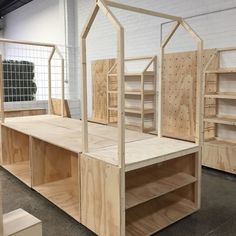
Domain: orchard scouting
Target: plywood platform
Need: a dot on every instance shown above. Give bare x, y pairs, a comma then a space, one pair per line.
66, 133
146, 152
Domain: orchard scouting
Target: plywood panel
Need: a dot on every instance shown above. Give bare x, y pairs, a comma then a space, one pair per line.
179, 109
50, 163
1, 219
56, 107
100, 69
24, 112
100, 201
15, 146
220, 155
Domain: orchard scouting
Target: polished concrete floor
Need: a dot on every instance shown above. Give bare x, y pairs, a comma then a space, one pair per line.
217, 216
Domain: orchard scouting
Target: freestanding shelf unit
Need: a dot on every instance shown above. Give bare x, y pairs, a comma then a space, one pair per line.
128, 183
218, 153
134, 183
139, 87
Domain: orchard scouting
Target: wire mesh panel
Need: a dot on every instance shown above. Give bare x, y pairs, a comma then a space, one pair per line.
26, 75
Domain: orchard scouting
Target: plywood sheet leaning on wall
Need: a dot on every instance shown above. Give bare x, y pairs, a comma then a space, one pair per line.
99, 69
180, 74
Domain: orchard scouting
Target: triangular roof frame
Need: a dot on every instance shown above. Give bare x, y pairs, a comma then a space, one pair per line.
104, 5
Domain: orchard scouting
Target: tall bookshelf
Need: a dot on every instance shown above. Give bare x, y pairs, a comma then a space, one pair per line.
140, 96
218, 152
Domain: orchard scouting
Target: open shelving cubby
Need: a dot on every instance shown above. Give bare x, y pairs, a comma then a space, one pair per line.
16, 154
55, 175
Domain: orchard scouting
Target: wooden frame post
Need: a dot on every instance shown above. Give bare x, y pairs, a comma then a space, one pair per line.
62, 81
161, 64
50, 80
2, 91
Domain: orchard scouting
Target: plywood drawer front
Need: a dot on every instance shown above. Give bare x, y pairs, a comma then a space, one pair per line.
220, 156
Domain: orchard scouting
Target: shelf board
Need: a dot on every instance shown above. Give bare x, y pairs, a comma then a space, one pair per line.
21, 170
220, 141
222, 71
134, 73
152, 216
134, 110
135, 92
221, 95
225, 120
147, 186
64, 194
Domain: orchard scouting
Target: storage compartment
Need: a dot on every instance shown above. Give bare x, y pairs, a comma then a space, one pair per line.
220, 154
15, 154
156, 214
55, 176
159, 195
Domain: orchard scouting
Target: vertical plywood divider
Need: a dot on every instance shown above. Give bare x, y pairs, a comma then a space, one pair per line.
100, 68
100, 196
49, 163
15, 146
1, 218
179, 93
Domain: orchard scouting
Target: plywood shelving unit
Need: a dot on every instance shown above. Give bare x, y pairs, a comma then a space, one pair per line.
88, 169
167, 181
218, 153
144, 92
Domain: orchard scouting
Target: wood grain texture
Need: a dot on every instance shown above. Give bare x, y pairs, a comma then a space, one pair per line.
56, 107
100, 69
15, 146
21, 170
179, 93
100, 202
157, 180
154, 215
50, 163
24, 112
1, 218
220, 154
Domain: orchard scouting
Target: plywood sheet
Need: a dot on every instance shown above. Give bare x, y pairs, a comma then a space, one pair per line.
219, 155
56, 107
100, 196
179, 104
100, 68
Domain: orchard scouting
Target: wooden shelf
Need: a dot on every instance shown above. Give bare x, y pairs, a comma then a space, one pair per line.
21, 170
221, 95
134, 74
220, 141
135, 92
225, 120
144, 187
64, 194
152, 216
133, 110
222, 71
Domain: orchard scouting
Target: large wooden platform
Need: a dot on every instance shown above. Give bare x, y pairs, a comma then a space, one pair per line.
45, 152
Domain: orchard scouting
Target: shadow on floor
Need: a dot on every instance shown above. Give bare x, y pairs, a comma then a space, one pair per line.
217, 216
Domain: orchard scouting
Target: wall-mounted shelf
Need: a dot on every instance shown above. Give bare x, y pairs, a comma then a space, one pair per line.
225, 120
221, 71
221, 95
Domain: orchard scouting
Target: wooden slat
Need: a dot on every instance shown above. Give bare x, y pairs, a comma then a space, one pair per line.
222, 71
222, 95
226, 120
158, 182
157, 214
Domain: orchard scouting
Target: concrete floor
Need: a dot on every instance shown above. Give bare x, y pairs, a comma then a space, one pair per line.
217, 216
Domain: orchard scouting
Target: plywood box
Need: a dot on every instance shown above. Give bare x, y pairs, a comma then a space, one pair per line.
21, 223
